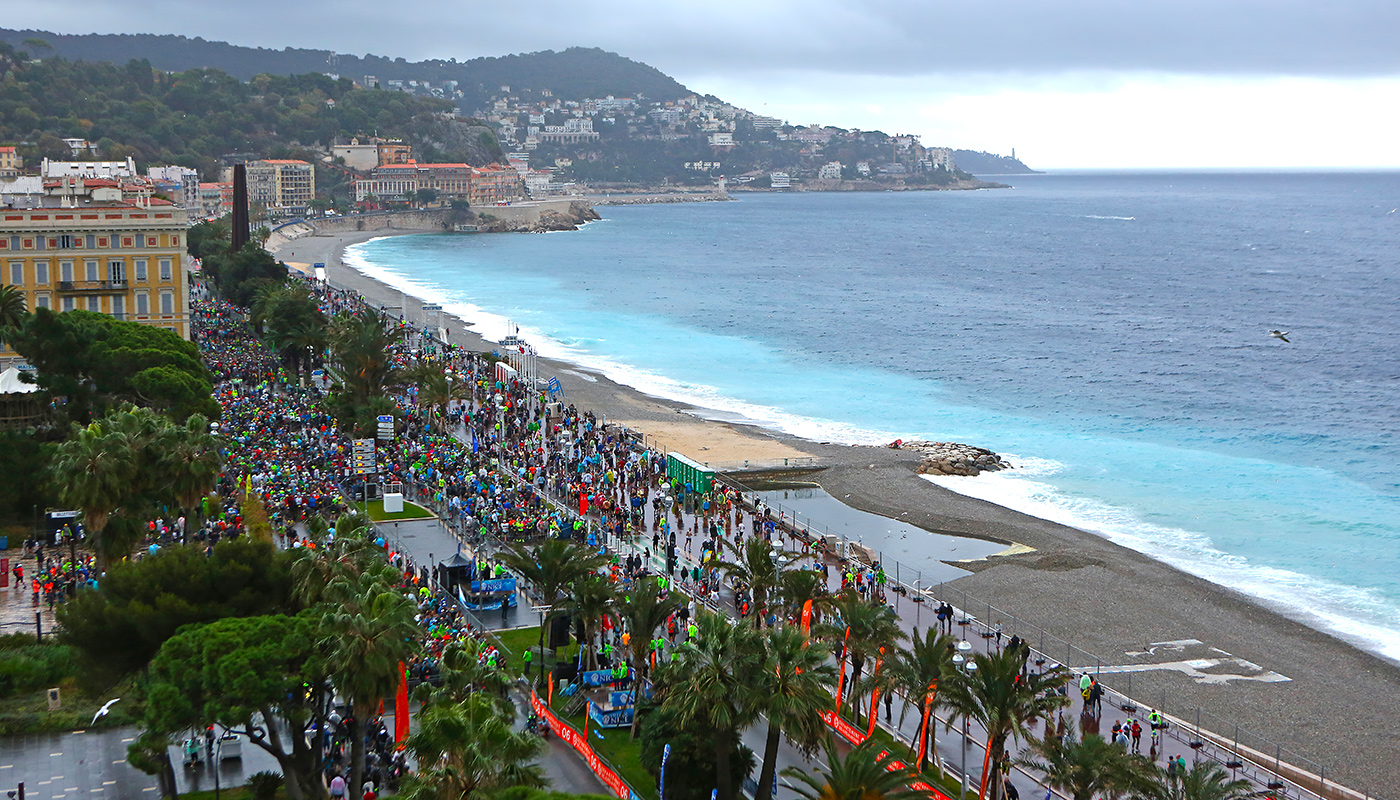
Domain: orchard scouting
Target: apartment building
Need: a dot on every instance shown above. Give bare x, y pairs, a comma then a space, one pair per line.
283, 186
79, 245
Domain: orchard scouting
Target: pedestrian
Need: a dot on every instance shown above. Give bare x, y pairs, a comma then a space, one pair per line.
1137, 736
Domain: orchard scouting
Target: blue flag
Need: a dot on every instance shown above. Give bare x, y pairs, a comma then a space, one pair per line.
475, 444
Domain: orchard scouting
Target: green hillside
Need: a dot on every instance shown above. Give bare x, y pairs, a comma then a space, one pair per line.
192, 118
572, 74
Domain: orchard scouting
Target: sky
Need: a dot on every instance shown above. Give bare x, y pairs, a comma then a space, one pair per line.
1089, 84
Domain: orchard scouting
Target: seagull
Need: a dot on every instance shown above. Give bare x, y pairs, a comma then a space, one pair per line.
1280, 335
102, 712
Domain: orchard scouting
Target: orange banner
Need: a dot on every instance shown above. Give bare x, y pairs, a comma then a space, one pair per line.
571, 737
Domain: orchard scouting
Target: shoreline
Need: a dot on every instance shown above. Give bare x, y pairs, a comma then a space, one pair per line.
1077, 585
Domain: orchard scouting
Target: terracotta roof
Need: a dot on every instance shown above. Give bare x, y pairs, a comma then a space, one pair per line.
284, 161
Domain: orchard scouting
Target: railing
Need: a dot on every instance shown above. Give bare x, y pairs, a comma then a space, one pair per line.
92, 286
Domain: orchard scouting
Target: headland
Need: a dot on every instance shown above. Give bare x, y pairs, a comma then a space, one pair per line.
1287, 686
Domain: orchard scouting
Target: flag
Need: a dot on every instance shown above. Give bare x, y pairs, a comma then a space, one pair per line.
551, 688
401, 707
582, 503
841, 682
807, 617
475, 444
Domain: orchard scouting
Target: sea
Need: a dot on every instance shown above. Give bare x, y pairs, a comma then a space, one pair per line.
1109, 333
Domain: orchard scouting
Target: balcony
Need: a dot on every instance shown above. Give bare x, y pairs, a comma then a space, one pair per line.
90, 287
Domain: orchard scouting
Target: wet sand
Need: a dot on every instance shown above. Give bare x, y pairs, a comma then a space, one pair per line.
1104, 598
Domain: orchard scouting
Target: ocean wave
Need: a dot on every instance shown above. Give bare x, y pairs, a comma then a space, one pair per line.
1108, 216
1361, 616
708, 399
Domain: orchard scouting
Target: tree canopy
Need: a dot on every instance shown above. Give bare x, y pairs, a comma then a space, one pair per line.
94, 362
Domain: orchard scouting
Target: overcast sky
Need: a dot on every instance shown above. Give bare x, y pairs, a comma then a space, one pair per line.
1074, 83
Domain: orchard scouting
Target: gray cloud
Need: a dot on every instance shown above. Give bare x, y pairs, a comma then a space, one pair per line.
870, 37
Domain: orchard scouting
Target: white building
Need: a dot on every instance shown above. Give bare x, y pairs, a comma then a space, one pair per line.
780, 180
830, 171
180, 184
721, 140
88, 169
356, 155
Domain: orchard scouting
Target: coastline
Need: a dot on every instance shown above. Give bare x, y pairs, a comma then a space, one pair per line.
1077, 585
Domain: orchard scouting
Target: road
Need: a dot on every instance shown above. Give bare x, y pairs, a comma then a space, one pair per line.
78, 764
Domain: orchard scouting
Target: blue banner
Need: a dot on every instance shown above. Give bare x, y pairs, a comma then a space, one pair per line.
599, 677
494, 585
616, 718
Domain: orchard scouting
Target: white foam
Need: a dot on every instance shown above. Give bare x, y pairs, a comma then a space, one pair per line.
1108, 216
1361, 616
494, 327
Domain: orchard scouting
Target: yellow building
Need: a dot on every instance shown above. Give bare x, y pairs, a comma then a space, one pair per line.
79, 245
10, 162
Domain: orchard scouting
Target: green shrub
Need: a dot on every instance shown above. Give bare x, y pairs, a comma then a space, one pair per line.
265, 784
34, 667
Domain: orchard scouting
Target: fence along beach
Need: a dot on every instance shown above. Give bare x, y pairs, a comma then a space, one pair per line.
1077, 586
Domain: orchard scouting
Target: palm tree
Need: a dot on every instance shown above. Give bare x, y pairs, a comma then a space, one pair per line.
1205, 781
756, 569
93, 471
591, 599
552, 567
344, 560
191, 458
916, 672
465, 671
866, 773
369, 631
468, 750
361, 344
1004, 701
644, 609
796, 587
437, 390
867, 629
12, 307
797, 684
716, 682
1092, 768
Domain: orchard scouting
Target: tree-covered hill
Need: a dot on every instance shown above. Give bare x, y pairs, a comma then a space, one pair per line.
573, 74
980, 163
192, 118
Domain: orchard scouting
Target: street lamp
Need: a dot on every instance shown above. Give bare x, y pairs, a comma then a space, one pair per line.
966, 667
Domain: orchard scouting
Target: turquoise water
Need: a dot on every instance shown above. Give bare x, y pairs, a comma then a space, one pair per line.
1108, 332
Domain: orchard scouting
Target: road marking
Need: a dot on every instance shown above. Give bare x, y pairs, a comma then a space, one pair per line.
108, 783
149, 789
119, 761
51, 755
6, 766
129, 739
45, 783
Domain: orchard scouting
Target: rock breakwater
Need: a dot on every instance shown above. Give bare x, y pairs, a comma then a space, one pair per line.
952, 458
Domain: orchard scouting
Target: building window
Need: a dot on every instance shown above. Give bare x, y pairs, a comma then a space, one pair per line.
94, 303
166, 273
65, 242
141, 270
143, 304
16, 273
41, 273
67, 304
167, 303
90, 270
65, 270
91, 242
116, 271
119, 306
42, 301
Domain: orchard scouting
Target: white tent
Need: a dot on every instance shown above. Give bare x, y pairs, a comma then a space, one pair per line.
11, 384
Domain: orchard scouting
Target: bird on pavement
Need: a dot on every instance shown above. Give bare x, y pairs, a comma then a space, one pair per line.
102, 712
1280, 335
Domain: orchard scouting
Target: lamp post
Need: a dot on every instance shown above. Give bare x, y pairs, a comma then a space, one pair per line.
966, 667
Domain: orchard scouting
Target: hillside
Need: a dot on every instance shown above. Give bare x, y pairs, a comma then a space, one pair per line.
573, 74
980, 163
192, 118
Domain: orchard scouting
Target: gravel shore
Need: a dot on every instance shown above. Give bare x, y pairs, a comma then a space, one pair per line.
1103, 598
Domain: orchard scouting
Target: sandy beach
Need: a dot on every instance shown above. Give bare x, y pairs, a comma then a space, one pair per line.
1290, 686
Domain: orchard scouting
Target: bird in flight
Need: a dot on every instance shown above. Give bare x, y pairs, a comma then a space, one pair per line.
102, 712
1280, 335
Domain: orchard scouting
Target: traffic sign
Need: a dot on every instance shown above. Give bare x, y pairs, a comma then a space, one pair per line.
363, 457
